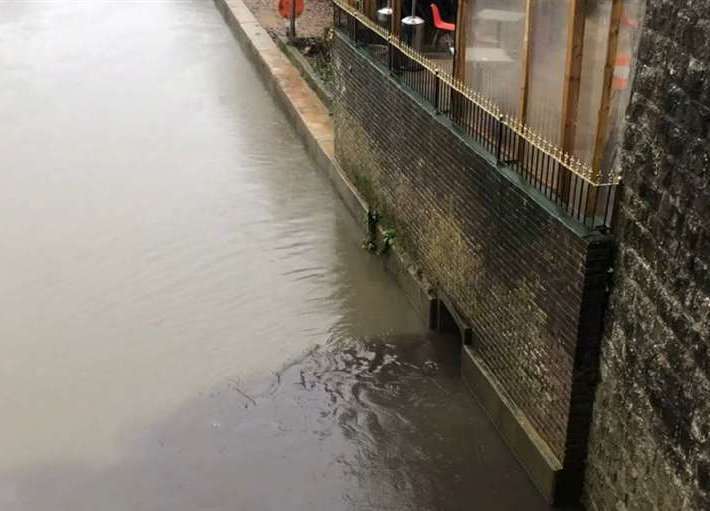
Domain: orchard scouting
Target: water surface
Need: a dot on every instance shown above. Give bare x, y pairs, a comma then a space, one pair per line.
187, 320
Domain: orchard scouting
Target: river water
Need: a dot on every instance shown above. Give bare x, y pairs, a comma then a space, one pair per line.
187, 320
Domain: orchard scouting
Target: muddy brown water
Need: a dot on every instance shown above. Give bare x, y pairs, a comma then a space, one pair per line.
187, 320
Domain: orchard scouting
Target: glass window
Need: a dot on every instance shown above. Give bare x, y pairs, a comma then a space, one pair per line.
495, 34
548, 56
620, 88
596, 34
495, 30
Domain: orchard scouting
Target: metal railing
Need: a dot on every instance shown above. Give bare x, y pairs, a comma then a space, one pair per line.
585, 195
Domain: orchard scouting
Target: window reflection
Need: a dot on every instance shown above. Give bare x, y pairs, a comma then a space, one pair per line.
494, 51
495, 34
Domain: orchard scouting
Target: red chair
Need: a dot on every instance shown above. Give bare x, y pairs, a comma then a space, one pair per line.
441, 26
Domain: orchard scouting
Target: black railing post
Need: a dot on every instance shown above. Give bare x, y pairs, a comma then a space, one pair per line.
613, 216
499, 141
437, 91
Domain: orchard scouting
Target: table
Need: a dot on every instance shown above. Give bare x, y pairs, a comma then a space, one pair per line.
486, 54
500, 16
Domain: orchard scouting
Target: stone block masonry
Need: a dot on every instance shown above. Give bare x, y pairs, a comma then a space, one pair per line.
650, 443
531, 283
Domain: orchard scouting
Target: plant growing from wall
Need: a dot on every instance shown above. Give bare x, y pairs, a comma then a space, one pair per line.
388, 237
370, 243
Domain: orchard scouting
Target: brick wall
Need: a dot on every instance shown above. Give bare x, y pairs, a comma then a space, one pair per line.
532, 284
650, 445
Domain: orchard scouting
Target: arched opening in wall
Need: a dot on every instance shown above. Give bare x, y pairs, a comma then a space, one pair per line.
445, 339
445, 323
453, 331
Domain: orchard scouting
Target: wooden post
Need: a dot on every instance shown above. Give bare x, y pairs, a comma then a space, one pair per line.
525, 72
396, 17
573, 73
570, 95
459, 70
617, 9
292, 23
526, 54
371, 9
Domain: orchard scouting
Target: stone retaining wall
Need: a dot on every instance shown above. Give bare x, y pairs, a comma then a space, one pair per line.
650, 446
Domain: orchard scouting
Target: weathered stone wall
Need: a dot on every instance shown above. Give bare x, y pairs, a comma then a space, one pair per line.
532, 284
650, 444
